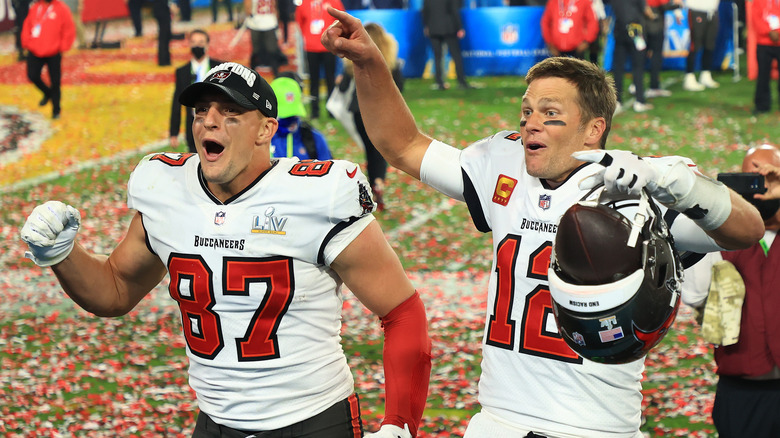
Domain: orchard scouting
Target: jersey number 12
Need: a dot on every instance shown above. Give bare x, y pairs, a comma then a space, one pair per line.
535, 338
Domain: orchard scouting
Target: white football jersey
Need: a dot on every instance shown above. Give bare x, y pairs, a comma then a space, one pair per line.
530, 377
261, 309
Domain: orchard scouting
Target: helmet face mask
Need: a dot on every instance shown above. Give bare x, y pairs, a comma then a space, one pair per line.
614, 313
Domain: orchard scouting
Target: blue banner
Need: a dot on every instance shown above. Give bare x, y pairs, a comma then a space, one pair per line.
502, 40
207, 3
498, 41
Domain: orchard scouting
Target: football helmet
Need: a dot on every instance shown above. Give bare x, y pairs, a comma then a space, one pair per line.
614, 277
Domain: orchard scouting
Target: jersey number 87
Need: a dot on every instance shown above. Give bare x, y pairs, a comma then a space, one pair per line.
192, 287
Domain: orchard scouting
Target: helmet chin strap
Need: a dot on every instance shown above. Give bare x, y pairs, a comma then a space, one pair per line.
639, 219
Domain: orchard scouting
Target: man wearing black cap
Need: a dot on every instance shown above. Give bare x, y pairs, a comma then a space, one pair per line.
257, 250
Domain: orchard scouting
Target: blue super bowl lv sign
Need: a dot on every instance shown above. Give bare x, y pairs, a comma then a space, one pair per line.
502, 40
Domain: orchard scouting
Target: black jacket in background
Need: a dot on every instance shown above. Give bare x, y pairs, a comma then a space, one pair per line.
627, 12
441, 17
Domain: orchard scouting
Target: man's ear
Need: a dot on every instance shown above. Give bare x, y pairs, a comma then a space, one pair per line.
267, 130
594, 131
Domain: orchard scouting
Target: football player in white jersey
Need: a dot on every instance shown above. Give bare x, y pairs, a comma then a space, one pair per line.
517, 185
257, 250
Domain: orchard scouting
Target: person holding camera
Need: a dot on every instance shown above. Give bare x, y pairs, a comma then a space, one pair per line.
747, 398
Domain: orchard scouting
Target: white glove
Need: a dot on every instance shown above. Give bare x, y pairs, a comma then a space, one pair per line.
669, 180
624, 172
50, 232
390, 431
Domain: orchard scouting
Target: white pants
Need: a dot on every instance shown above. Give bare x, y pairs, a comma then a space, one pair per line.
485, 425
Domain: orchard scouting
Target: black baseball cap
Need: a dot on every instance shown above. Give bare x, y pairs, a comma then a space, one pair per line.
242, 84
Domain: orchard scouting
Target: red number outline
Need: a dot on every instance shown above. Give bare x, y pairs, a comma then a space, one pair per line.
311, 168
501, 327
534, 338
260, 341
173, 162
196, 307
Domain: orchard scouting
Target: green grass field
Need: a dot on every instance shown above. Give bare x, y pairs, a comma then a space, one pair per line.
67, 373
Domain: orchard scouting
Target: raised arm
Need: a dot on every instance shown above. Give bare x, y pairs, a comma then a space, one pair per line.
387, 118
372, 271
103, 285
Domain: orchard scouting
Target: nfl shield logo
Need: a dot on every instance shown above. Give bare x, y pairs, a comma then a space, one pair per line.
219, 218
578, 338
510, 33
544, 202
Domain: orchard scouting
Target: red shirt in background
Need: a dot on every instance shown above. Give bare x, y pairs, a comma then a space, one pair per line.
48, 29
313, 18
567, 23
763, 21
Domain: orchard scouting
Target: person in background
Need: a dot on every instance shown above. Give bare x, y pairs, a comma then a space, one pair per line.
295, 136
193, 71
630, 43
517, 185
312, 18
569, 27
258, 250
134, 8
376, 165
442, 25
161, 11
656, 35
703, 23
263, 22
47, 33
596, 47
21, 8
185, 10
286, 16
766, 24
747, 399
228, 8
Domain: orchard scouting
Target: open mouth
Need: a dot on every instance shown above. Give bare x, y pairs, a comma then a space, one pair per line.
534, 146
212, 148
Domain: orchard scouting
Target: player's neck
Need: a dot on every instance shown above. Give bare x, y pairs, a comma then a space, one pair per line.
244, 180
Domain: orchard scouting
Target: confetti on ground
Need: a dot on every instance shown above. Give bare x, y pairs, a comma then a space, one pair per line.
66, 373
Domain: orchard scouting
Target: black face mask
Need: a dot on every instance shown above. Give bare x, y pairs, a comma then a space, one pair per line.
198, 51
767, 208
